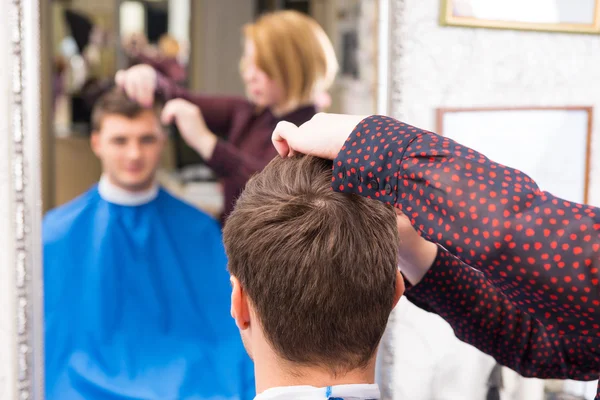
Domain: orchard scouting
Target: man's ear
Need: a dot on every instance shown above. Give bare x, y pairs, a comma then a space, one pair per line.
95, 142
240, 309
399, 287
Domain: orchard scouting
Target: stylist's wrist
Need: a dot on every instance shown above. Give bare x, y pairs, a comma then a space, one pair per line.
205, 144
415, 253
417, 259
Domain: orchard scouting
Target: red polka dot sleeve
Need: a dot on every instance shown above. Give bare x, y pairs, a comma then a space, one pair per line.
542, 252
484, 317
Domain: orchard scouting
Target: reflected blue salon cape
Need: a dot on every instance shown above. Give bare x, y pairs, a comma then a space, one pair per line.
137, 304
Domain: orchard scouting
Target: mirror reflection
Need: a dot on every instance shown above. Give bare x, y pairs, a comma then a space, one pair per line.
162, 111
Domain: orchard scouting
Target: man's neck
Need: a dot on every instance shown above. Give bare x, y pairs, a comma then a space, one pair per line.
271, 372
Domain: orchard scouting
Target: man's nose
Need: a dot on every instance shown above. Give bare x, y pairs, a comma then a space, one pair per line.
134, 150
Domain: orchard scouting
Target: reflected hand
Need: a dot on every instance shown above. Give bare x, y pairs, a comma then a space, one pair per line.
192, 127
139, 82
323, 136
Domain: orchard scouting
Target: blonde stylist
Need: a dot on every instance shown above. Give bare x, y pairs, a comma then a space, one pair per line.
287, 65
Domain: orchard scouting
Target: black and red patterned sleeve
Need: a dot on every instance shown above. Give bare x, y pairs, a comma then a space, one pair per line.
541, 251
483, 316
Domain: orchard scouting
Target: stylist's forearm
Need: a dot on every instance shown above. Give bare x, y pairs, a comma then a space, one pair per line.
205, 144
415, 263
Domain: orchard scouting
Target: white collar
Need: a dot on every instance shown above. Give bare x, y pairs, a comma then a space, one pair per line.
346, 392
114, 194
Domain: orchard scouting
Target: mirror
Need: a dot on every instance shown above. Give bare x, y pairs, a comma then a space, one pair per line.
68, 59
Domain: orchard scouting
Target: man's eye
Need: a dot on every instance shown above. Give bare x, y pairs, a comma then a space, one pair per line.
149, 140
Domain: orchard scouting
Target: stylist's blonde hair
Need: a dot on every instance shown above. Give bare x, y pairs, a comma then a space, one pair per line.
294, 51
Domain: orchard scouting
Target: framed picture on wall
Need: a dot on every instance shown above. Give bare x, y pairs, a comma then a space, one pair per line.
550, 144
582, 16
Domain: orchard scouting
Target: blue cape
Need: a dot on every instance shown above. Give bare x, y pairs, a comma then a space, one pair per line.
137, 304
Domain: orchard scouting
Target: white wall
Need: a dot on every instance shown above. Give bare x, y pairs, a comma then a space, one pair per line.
439, 66
476, 67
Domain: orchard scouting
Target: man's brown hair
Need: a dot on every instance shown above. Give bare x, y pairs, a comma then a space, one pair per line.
318, 266
116, 102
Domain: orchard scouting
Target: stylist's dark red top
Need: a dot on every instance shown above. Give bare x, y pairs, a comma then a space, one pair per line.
533, 298
244, 145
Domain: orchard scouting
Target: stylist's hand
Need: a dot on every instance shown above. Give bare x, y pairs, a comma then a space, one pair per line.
323, 136
190, 122
415, 253
139, 82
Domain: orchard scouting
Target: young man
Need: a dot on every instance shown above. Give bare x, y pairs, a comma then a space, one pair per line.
301, 257
535, 257
315, 277
136, 286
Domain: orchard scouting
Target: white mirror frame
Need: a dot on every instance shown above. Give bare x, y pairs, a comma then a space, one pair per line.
388, 99
21, 294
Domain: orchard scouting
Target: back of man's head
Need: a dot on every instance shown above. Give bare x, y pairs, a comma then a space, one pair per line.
319, 267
